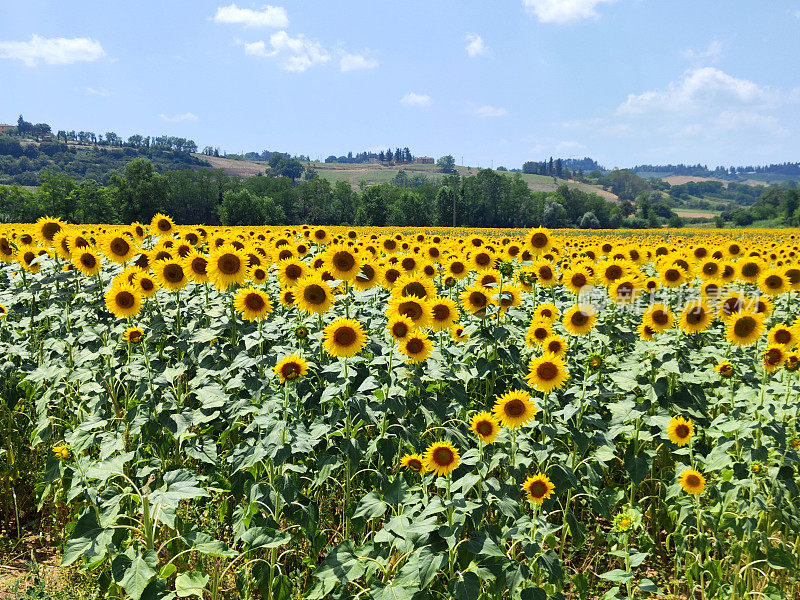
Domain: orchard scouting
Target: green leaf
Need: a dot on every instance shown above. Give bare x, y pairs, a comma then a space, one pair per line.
180, 484
636, 466
393, 591
88, 540
617, 576
536, 593
429, 563
467, 586
646, 585
371, 506
481, 544
778, 558
134, 574
264, 537
191, 583
341, 565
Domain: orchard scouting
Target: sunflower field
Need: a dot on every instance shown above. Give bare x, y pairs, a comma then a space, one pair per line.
330, 412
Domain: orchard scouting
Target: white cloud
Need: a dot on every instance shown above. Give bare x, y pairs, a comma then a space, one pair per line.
414, 99
269, 16
710, 55
698, 89
567, 148
356, 62
489, 112
52, 51
563, 11
187, 116
98, 92
475, 45
294, 54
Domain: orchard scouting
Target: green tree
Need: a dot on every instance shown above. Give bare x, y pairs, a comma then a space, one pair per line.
242, 207
374, 205
446, 164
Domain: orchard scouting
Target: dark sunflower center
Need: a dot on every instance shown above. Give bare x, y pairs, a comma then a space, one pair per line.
483, 259
164, 225
774, 356
367, 274
119, 246
484, 428
625, 290
293, 271
579, 280
392, 275
692, 480
672, 275
750, 270
614, 272
744, 327
514, 408
49, 230
457, 268
415, 346
88, 260
783, 336
415, 464
579, 318
199, 265
660, 317
415, 288
443, 457
547, 371
400, 329
477, 299
125, 299
539, 240
290, 370
288, 297
344, 336
682, 430
135, 336
229, 264
545, 273
441, 312
773, 282
314, 294
537, 489
254, 302
732, 305
411, 309
146, 284
695, 315
344, 261
173, 273
408, 263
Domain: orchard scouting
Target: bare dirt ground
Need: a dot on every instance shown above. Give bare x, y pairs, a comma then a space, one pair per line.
691, 214
22, 565
680, 179
240, 168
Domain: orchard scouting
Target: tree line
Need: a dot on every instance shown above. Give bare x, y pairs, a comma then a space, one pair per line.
193, 196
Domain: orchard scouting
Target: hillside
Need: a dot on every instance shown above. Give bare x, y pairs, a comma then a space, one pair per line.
372, 173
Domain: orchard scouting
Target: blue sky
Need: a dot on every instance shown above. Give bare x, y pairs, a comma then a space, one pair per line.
623, 81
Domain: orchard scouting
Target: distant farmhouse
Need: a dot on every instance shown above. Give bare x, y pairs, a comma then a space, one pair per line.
7, 128
424, 160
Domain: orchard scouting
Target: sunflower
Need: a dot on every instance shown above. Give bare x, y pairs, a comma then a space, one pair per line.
475, 299
623, 290
577, 280
547, 311
672, 276
538, 241
555, 344
695, 317
750, 270
133, 335
344, 338
413, 462
48, 227
538, 488
544, 273
441, 458
510, 295
783, 335
680, 430
195, 266
369, 276
580, 320
514, 409
692, 482
227, 266
773, 357
161, 224
410, 284
658, 317
87, 262
123, 300
732, 303
257, 275
117, 248
444, 313
646, 332
313, 295
3, 311
290, 367
254, 304
400, 327
538, 332
485, 426
144, 283
547, 373
457, 268
416, 346
743, 329
724, 368
773, 282
343, 264
458, 334
170, 274
791, 364
416, 309
595, 362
